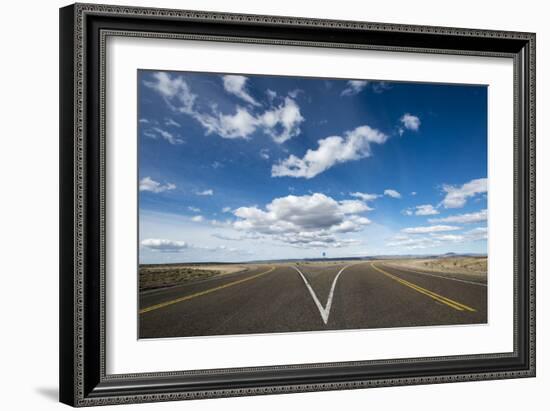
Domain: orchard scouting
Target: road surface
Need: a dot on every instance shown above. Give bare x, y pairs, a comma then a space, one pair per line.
311, 297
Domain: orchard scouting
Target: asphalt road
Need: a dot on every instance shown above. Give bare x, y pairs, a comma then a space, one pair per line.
309, 297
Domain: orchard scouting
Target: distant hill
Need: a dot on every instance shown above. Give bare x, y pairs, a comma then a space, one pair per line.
361, 258
376, 257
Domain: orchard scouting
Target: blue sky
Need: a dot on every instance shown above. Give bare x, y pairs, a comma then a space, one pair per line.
246, 167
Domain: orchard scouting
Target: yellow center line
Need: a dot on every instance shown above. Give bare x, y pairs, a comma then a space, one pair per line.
200, 293
447, 301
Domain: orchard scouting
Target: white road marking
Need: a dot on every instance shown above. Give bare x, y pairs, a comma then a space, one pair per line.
324, 311
437, 276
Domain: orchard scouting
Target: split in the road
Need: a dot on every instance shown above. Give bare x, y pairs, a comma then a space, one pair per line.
324, 311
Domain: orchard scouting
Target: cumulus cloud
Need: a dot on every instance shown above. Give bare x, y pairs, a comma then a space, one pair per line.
354, 87
280, 122
264, 153
392, 193
197, 219
208, 192
163, 245
148, 184
236, 85
409, 122
365, 196
309, 220
429, 229
462, 218
355, 145
456, 196
426, 209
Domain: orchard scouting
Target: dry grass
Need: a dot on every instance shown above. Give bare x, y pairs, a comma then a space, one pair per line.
168, 275
472, 267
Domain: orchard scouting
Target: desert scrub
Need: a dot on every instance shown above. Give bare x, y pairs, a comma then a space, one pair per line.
151, 277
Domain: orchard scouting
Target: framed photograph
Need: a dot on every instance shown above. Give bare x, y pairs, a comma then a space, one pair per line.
259, 205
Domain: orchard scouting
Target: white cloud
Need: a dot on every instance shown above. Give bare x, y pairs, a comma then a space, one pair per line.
171, 246
426, 209
421, 242
171, 122
279, 122
271, 95
429, 229
148, 184
309, 220
241, 124
410, 122
462, 218
165, 246
264, 153
456, 197
436, 238
282, 122
295, 93
170, 137
392, 193
353, 206
226, 209
208, 192
236, 85
412, 242
354, 87
456, 238
365, 196
355, 145
176, 88
194, 209
143, 121
197, 218
413, 193
380, 86
476, 234
407, 211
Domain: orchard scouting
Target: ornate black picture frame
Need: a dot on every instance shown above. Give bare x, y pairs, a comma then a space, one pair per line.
83, 32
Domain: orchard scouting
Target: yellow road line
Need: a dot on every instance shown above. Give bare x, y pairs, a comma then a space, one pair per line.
447, 301
429, 274
200, 293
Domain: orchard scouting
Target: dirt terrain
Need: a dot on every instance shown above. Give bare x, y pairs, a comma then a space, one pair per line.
168, 275
474, 268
